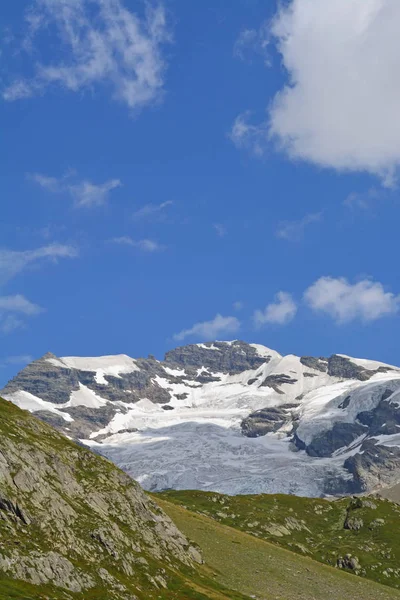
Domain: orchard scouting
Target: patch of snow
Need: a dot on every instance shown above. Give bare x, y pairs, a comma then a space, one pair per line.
175, 372
109, 365
212, 347
265, 352
85, 397
32, 403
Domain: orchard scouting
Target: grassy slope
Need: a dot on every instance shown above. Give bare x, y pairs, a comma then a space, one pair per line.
313, 527
264, 571
184, 583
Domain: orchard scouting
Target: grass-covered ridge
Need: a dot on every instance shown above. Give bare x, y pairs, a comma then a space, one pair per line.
359, 535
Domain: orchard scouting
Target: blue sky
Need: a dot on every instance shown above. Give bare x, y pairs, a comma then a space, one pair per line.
194, 170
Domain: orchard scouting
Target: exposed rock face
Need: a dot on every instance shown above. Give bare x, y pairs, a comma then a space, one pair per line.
219, 357
343, 367
71, 519
266, 420
183, 422
340, 436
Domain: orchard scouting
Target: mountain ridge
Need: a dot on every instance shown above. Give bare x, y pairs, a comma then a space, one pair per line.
231, 417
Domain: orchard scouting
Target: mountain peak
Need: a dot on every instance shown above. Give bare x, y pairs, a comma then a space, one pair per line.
213, 412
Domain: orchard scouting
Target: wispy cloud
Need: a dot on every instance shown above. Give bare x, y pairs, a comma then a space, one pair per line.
252, 42
340, 109
238, 305
12, 308
210, 330
152, 211
293, 231
246, 135
364, 200
12, 262
18, 360
145, 245
51, 184
280, 312
23, 359
103, 43
220, 229
85, 194
365, 300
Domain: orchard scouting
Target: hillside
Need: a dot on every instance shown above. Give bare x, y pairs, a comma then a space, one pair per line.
358, 535
72, 526
229, 417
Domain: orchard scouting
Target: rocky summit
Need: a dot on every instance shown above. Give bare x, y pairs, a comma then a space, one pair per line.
229, 417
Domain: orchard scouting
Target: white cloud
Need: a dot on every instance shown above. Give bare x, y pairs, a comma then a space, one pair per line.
18, 304
247, 136
52, 184
144, 245
11, 309
365, 300
238, 305
85, 194
220, 229
10, 323
101, 42
339, 108
363, 200
23, 359
280, 312
151, 210
293, 231
210, 330
13, 262
253, 41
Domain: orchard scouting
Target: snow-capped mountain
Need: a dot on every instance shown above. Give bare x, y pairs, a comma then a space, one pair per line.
227, 416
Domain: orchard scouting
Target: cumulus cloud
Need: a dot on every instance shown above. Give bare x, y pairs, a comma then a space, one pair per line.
210, 330
339, 108
293, 231
145, 245
12, 308
85, 194
280, 312
364, 300
101, 42
12, 262
151, 211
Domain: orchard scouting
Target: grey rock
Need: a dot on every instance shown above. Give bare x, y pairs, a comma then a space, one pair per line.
62, 506
265, 421
222, 357
319, 364
275, 381
344, 368
340, 436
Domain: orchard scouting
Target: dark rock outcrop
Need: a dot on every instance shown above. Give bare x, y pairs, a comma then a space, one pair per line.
219, 357
266, 420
